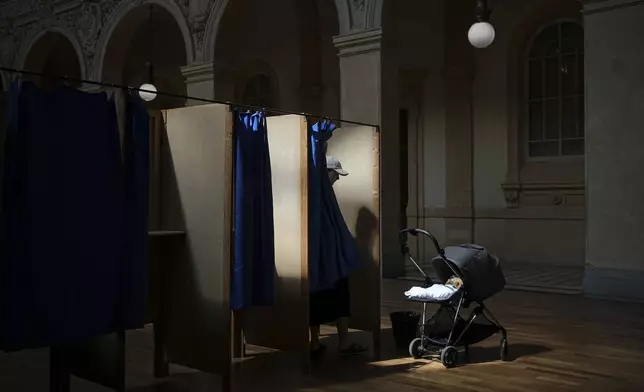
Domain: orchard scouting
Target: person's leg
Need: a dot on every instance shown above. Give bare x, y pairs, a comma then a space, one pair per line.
342, 325
345, 345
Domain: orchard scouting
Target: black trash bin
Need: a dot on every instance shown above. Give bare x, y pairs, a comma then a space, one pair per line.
405, 327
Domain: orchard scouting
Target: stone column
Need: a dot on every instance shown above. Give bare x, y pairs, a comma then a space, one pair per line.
614, 61
412, 89
369, 84
459, 226
458, 77
200, 82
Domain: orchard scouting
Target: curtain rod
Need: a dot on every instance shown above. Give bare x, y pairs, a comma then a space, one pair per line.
131, 88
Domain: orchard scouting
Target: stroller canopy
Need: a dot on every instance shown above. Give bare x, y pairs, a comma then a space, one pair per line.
480, 270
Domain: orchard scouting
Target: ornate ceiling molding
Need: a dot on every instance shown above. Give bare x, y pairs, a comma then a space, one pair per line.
118, 9
353, 16
215, 14
24, 20
88, 21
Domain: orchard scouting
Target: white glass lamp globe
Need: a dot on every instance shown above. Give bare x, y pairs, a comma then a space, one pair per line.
145, 95
481, 35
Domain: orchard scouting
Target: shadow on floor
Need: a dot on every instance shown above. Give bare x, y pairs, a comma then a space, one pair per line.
279, 371
515, 351
487, 351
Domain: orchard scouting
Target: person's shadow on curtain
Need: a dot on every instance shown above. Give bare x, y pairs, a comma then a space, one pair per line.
365, 291
366, 232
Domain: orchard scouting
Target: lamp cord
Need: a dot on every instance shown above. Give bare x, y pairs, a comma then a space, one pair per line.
148, 64
482, 11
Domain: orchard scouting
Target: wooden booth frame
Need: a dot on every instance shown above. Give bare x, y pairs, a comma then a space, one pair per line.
191, 249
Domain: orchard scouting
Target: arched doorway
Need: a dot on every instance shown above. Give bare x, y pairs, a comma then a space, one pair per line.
259, 90
53, 54
147, 43
282, 51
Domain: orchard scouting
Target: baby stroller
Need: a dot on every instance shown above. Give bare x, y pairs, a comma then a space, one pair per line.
447, 329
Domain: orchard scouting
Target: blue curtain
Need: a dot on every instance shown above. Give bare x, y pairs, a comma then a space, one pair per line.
253, 275
136, 158
333, 253
68, 243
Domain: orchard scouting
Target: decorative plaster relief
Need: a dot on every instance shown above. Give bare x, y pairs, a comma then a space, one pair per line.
7, 44
358, 15
24, 19
198, 29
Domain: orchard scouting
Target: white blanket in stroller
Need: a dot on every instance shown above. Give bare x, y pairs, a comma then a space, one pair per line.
437, 292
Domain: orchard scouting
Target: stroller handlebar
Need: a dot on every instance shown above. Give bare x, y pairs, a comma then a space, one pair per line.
402, 237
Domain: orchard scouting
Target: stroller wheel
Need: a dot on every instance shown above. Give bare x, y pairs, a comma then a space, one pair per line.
504, 349
416, 349
448, 356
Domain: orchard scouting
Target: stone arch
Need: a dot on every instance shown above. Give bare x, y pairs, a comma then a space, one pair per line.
55, 52
125, 9
148, 31
353, 15
212, 28
295, 37
251, 69
374, 20
344, 15
62, 36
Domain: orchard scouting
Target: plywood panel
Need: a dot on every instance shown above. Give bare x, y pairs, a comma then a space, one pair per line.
284, 326
100, 360
198, 165
357, 148
162, 249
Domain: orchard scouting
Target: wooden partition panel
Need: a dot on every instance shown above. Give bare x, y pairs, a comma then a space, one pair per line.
197, 196
284, 326
357, 148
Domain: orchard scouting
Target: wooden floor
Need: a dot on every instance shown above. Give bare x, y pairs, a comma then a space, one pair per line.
557, 343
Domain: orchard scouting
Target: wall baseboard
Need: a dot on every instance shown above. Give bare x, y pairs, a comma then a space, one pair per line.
612, 284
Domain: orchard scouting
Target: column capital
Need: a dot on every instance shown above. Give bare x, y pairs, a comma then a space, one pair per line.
358, 43
199, 72
597, 6
200, 81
